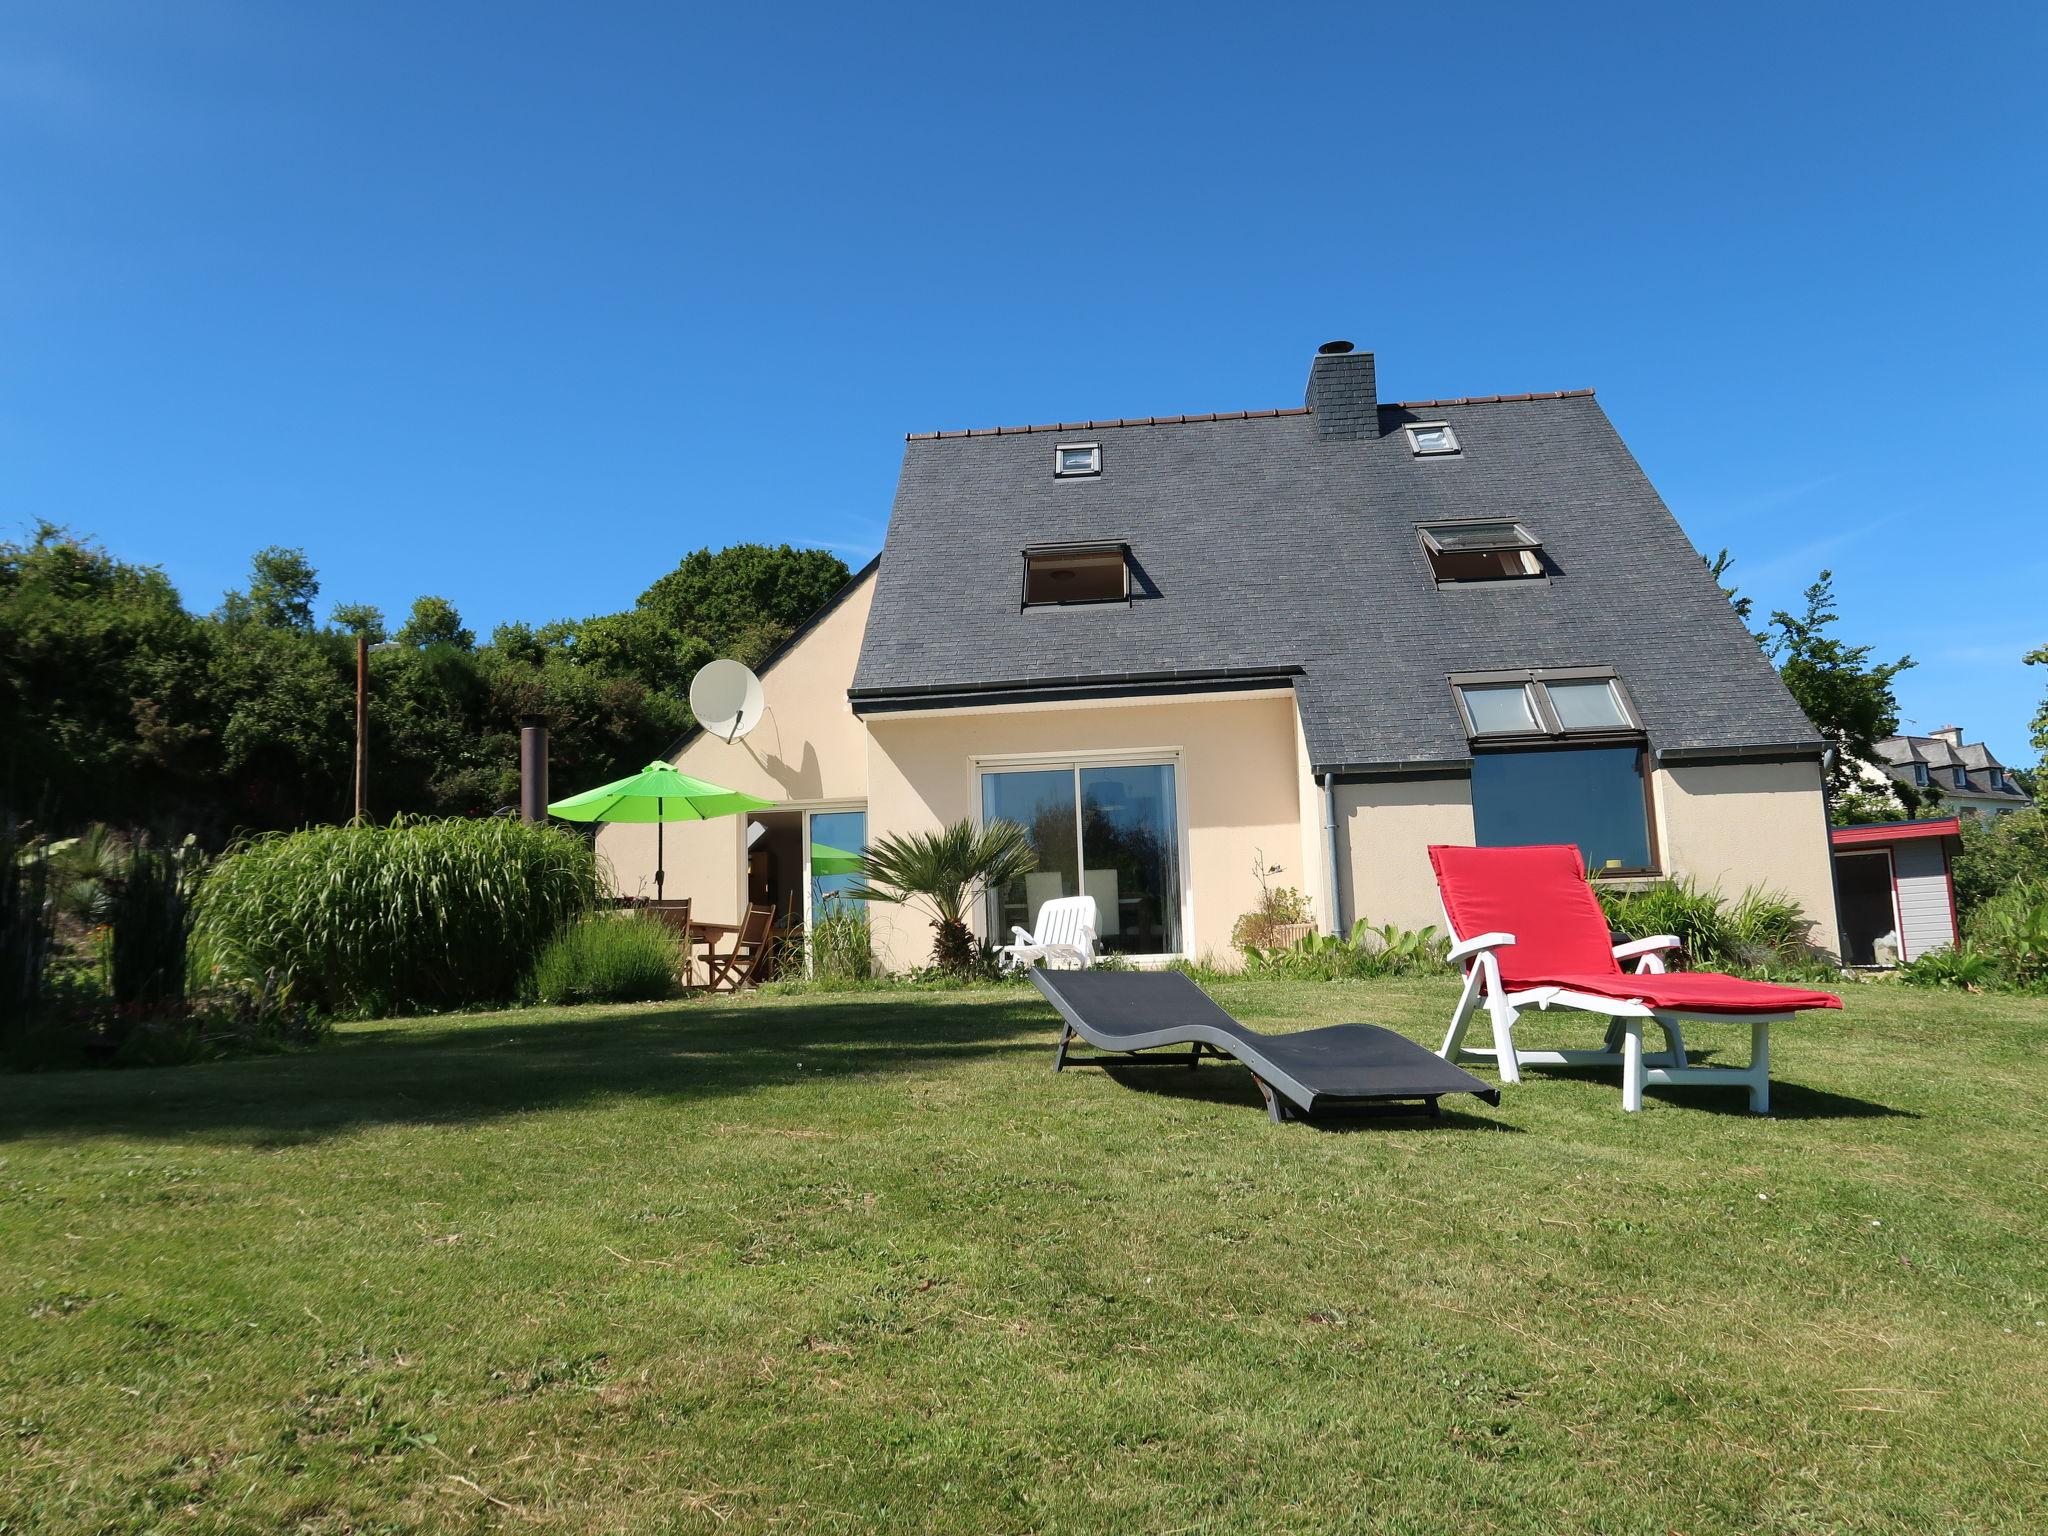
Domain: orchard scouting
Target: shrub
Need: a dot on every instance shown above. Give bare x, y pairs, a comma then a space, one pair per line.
1999, 853
151, 917
605, 957
420, 914
1761, 931
2011, 930
1367, 951
1964, 968
1278, 907
24, 928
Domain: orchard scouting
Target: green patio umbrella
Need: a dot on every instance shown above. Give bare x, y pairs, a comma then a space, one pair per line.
659, 794
827, 860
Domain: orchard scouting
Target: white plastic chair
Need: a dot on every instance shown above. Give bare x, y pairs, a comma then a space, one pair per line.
1065, 934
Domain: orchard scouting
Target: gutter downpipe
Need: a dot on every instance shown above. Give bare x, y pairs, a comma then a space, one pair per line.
1336, 902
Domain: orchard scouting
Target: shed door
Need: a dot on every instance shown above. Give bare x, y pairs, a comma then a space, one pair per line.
1864, 884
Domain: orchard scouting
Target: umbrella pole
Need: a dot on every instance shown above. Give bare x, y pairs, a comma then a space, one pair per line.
657, 848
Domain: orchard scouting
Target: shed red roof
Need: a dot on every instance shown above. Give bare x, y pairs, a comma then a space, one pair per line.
1896, 831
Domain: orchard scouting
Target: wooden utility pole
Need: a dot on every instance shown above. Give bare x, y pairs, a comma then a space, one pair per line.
362, 727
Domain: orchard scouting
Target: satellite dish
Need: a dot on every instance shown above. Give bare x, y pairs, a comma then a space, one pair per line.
727, 699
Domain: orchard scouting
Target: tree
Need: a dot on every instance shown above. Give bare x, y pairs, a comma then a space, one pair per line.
946, 872
103, 708
1718, 568
2039, 772
282, 586
434, 621
365, 619
1847, 697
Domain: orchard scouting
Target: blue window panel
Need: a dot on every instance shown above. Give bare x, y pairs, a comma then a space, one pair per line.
1591, 797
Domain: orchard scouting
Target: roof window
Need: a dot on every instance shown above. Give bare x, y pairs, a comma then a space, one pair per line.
1431, 438
1961, 777
1497, 551
1919, 775
1575, 702
1072, 461
1061, 574
1997, 778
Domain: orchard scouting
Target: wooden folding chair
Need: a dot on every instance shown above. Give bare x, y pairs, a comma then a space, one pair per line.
741, 966
676, 916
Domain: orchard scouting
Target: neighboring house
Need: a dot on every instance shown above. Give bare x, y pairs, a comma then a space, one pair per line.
1896, 895
1325, 637
1972, 782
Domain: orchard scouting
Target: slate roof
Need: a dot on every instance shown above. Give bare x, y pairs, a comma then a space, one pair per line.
1940, 755
1261, 547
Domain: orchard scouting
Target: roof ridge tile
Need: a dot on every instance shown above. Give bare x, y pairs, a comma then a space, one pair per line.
1107, 424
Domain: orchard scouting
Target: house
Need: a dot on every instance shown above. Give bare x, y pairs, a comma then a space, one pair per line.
1897, 897
1322, 637
1971, 780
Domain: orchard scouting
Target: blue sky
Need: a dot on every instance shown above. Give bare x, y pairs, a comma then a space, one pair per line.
516, 303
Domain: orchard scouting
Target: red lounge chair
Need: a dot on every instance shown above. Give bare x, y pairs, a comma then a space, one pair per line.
1530, 932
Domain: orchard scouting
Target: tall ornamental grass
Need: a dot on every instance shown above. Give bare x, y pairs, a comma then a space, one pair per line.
418, 915
608, 957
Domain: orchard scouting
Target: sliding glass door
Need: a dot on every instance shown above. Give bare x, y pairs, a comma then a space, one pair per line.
1109, 830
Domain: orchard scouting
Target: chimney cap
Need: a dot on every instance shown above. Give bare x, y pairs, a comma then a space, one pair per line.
1333, 348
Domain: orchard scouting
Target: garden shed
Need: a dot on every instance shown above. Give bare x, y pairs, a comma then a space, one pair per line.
1897, 897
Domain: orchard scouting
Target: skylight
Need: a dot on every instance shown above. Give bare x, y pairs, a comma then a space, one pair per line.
1544, 703
1076, 573
1428, 438
1497, 551
1073, 460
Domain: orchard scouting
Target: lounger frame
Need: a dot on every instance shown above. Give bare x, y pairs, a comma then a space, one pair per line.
1623, 1046
1287, 1096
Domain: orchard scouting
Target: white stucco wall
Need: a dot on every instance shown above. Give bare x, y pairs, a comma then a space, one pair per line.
809, 750
1733, 825
1238, 787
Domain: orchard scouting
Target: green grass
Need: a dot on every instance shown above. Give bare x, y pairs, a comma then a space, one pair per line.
863, 1263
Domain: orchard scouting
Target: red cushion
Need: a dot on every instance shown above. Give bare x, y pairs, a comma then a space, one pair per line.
1707, 991
1540, 895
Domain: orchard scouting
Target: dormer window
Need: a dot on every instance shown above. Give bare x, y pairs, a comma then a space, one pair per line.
1061, 574
1997, 778
1961, 776
1430, 438
1919, 775
1073, 461
1461, 552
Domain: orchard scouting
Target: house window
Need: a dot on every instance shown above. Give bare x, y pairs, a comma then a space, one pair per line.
1594, 798
1961, 777
1494, 551
1072, 460
1997, 778
1428, 438
1558, 757
1552, 702
1076, 573
1107, 830
1919, 775
832, 858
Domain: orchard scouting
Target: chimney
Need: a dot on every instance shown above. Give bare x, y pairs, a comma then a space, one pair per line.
533, 768
1341, 393
1952, 734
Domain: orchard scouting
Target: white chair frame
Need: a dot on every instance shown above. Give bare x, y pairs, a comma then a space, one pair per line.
1066, 934
1624, 1043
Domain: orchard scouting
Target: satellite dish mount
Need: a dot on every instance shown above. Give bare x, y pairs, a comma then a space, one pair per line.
727, 699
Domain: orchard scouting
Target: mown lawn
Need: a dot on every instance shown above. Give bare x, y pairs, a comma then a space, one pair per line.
865, 1264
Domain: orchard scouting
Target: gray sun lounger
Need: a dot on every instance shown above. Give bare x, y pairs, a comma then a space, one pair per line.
1301, 1074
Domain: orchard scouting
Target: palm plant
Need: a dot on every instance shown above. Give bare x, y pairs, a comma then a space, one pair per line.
945, 872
